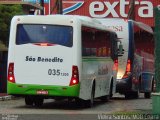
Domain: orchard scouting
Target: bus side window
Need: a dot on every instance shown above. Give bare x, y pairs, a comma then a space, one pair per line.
103, 44
88, 42
85, 44
98, 43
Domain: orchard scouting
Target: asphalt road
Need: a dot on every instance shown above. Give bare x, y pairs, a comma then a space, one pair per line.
63, 110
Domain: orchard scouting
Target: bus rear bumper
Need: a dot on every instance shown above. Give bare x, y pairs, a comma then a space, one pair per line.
45, 90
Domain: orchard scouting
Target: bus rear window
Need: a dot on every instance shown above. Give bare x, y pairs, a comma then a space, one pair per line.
53, 34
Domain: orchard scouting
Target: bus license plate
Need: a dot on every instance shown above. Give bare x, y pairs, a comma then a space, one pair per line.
42, 92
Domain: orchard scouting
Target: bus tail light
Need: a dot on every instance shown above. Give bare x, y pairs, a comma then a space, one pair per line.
115, 66
128, 69
44, 44
75, 76
11, 77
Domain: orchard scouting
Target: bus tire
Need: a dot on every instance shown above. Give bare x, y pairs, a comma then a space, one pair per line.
111, 90
79, 103
136, 94
147, 95
107, 97
29, 100
38, 102
127, 96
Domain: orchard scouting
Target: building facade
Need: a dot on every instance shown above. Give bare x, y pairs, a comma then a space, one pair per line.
109, 9
103, 8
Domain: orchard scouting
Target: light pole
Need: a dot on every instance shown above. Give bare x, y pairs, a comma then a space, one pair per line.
58, 7
157, 48
156, 95
42, 4
131, 12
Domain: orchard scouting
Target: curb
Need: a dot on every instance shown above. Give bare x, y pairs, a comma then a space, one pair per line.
3, 98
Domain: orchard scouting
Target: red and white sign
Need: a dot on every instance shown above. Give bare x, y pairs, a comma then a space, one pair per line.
110, 8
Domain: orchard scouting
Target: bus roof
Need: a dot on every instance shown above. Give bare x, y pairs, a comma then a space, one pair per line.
85, 20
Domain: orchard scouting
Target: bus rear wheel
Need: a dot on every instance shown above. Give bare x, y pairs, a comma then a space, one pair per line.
147, 95
107, 97
136, 95
38, 102
132, 95
29, 100
127, 96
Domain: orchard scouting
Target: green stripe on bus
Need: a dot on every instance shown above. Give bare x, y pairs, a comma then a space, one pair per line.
28, 89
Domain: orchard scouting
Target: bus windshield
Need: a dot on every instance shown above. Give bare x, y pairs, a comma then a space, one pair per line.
42, 33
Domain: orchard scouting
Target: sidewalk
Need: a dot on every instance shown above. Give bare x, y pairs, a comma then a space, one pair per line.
5, 96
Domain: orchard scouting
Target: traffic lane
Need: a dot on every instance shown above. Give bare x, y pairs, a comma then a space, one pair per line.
117, 104
140, 105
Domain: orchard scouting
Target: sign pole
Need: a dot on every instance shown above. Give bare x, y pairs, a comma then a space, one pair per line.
156, 95
42, 4
59, 7
131, 12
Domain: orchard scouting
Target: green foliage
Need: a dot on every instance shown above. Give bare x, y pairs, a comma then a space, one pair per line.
6, 14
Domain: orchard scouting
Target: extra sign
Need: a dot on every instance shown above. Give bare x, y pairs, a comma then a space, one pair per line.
111, 9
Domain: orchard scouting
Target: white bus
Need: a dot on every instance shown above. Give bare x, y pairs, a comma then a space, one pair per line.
61, 56
136, 66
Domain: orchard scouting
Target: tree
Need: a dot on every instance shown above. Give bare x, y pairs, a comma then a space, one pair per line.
6, 14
